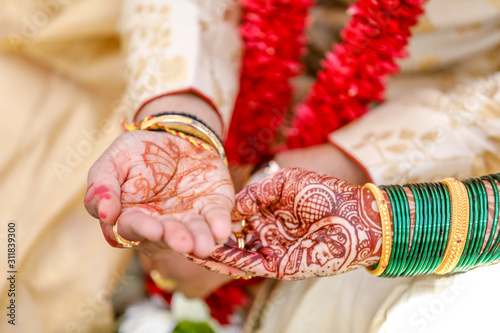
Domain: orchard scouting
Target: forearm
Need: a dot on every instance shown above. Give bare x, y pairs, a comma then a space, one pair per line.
325, 159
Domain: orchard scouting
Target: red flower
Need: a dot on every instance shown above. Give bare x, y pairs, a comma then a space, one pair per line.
224, 302
353, 75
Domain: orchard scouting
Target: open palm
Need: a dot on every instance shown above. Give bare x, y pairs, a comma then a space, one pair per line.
163, 190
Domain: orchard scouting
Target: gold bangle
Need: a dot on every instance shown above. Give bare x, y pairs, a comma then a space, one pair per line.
164, 284
188, 126
385, 220
459, 225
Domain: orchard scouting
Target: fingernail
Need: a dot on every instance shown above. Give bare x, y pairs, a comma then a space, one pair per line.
223, 241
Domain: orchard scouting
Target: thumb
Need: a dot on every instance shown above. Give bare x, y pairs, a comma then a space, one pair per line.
102, 199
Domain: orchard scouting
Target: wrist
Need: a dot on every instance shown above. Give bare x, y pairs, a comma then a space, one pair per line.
184, 126
188, 103
370, 212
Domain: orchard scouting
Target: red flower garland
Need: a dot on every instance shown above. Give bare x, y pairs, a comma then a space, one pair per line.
354, 73
273, 32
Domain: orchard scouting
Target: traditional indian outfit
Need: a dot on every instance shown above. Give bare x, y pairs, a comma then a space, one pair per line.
65, 92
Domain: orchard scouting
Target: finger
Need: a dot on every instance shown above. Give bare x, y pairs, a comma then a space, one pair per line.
217, 267
102, 199
107, 231
218, 218
176, 235
204, 242
135, 225
232, 261
244, 260
154, 250
253, 198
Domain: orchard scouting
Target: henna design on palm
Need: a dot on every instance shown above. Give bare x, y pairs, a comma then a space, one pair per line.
162, 176
170, 182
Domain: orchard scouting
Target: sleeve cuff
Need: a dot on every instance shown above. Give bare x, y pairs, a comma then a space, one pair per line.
413, 138
352, 158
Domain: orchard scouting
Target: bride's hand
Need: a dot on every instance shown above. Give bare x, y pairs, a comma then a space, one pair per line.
162, 191
301, 224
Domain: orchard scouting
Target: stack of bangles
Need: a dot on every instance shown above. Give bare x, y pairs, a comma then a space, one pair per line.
438, 228
185, 126
182, 125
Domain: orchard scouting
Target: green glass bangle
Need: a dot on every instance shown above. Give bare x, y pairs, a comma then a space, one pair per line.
405, 227
478, 226
413, 262
413, 235
444, 223
483, 221
436, 224
394, 265
444, 230
473, 227
487, 254
421, 256
427, 248
495, 250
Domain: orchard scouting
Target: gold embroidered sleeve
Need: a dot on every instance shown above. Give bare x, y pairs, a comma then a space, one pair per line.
173, 46
429, 135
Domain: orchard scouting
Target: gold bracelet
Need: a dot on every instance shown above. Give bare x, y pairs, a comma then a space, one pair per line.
188, 126
164, 284
385, 220
459, 225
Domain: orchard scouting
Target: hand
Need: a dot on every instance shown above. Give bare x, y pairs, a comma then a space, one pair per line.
163, 191
300, 225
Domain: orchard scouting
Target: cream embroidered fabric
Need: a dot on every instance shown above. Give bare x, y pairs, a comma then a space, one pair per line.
176, 45
448, 117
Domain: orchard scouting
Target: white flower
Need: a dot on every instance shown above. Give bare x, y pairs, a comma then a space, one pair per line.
149, 316
153, 315
190, 309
